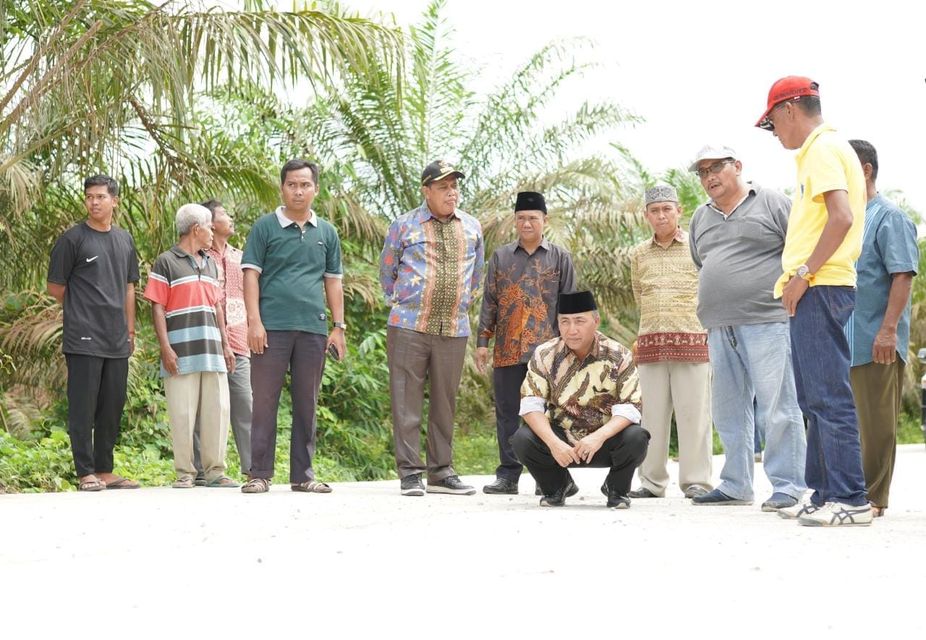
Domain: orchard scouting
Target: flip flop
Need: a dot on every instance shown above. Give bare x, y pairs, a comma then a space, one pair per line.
311, 486
122, 483
91, 485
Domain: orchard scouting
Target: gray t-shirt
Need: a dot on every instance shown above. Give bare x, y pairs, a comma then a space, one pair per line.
739, 259
95, 266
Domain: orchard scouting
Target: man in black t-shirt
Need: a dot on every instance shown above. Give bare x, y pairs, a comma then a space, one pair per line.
92, 274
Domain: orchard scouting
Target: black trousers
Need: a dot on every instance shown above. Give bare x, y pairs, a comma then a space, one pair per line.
96, 397
622, 454
507, 383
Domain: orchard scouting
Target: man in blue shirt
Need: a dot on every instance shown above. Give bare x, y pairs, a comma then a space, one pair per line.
879, 329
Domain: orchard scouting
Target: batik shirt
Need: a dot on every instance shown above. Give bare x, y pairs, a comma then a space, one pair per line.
231, 297
581, 396
430, 271
519, 302
665, 286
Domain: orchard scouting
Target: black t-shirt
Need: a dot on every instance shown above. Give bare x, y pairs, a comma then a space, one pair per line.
95, 266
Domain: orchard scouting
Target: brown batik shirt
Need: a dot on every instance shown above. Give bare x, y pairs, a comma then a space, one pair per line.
519, 304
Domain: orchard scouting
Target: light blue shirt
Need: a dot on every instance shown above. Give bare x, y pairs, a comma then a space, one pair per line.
888, 247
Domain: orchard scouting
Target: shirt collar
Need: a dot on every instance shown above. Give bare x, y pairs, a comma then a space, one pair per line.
821, 128
750, 191
180, 253
680, 236
424, 213
285, 222
517, 245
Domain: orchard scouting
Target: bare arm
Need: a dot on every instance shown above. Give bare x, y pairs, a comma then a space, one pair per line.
838, 222
257, 335
56, 291
227, 353
334, 295
130, 314
884, 349
168, 355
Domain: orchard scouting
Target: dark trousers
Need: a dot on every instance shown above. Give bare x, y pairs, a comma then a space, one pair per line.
507, 382
96, 397
303, 354
622, 454
821, 361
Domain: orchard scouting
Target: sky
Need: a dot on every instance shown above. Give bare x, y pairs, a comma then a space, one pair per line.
699, 72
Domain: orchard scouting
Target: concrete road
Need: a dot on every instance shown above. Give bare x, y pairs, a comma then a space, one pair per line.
366, 562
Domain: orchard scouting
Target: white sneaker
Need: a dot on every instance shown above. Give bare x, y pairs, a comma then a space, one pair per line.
834, 514
804, 507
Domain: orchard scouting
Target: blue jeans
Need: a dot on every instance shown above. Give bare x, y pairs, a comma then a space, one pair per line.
821, 372
752, 364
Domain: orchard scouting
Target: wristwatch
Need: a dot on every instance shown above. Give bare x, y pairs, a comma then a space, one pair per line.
339, 325
803, 272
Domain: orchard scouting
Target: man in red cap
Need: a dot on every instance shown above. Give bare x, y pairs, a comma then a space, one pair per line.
817, 289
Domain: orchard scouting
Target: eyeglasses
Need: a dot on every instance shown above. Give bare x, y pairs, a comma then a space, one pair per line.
715, 168
767, 123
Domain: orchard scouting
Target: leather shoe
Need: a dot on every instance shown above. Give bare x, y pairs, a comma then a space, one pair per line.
558, 499
642, 492
501, 485
717, 498
778, 501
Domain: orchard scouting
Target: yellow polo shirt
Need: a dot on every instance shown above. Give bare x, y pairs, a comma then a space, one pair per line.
825, 162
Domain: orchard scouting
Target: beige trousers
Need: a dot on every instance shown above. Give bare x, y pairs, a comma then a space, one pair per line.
685, 388
204, 393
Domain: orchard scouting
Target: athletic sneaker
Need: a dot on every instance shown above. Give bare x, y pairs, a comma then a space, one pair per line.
451, 484
802, 508
835, 514
411, 485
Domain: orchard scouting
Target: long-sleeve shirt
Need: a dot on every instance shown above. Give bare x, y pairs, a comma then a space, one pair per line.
581, 396
520, 297
430, 271
665, 286
231, 297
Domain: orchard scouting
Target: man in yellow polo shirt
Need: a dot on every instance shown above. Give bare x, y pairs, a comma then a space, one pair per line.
817, 288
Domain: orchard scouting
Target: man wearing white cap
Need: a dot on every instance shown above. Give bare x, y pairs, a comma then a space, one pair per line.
736, 241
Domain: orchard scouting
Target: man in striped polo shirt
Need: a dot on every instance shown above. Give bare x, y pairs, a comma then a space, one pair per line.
183, 288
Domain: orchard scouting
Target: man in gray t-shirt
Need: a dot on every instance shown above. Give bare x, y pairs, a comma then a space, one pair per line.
736, 240
92, 273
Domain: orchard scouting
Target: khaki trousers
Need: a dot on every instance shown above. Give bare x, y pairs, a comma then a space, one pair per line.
415, 358
206, 394
682, 387
877, 389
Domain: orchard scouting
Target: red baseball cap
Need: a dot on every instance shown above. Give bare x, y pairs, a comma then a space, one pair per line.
785, 89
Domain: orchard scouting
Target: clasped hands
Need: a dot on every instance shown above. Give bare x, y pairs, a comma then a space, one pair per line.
581, 453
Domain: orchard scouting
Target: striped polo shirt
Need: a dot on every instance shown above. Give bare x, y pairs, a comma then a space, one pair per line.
188, 289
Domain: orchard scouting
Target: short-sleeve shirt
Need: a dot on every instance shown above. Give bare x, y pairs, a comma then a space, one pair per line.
739, 259
520, 298
95, 267
293, 262
231, 297
188, 289
580, 396
665, 286
888, 247
825, 162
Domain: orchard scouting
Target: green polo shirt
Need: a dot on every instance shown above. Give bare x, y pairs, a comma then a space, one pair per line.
293, 263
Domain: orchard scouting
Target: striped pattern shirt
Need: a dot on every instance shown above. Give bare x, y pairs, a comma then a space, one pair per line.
430, 271
188, 289
665, 287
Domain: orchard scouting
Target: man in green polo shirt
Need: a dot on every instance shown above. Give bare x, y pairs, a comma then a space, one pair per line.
292, 268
